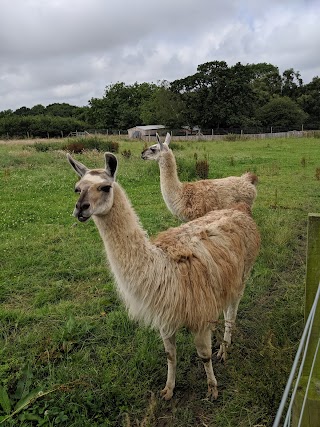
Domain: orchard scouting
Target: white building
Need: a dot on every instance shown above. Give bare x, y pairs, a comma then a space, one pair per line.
143, 131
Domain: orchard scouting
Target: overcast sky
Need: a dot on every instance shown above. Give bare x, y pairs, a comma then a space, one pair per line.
70, 50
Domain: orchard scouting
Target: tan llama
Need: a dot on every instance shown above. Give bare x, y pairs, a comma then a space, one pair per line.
190, 200
186, 277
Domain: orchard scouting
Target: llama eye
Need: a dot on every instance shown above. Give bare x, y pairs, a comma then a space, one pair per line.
105, 188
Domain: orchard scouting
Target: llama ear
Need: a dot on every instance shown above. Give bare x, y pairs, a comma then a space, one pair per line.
77, 166
111, 164
168, 138
159, 141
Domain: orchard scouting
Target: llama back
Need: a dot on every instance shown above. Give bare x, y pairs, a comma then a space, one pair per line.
213, 255
200, 197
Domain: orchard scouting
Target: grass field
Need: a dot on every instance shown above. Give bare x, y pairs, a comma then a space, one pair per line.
69, 355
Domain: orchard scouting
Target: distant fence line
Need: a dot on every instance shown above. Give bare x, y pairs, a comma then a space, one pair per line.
234, 137
214, 137
176, 135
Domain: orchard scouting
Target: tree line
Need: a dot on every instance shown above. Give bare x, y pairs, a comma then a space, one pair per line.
217, 96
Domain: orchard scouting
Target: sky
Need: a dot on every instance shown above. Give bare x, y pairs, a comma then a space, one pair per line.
71, 50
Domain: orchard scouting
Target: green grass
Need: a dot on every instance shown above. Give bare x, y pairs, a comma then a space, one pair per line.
64, 332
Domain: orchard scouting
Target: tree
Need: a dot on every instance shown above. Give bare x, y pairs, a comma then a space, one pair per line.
23, 111
282, 112
310, 102
37, 110
120, 108
202, 94
291, 83
266, 83
218, 96
62, 110
164, 107
6, 113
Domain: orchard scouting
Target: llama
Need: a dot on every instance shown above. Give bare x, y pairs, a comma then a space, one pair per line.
190, 200
186, 276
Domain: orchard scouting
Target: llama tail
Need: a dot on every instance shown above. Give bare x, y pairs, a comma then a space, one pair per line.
251, 177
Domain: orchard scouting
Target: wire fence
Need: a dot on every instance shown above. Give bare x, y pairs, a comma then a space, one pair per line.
301, 354
225, 134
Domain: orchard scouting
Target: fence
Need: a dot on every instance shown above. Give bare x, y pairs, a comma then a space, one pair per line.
235, 136
304, 407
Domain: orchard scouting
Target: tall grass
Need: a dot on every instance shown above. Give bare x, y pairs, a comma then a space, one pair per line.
68, 351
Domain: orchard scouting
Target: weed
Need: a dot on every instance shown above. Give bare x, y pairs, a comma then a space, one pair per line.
21, 400
6, 173
202, 169
176, 147
316, 134
126, 154
230, 137
274, 205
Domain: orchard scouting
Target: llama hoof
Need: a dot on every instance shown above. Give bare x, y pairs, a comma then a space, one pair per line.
222, 353
212, 392
166, 393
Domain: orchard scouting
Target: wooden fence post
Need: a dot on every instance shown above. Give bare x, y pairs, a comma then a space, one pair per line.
311, 416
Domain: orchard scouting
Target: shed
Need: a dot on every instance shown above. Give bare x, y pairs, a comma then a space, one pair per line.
141, 131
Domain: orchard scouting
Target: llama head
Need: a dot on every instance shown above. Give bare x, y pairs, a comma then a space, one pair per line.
95, 187
154, 152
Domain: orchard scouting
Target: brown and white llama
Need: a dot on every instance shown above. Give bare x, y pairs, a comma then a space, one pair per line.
190, 200
185, 277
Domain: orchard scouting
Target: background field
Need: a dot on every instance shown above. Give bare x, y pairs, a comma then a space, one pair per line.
64, 332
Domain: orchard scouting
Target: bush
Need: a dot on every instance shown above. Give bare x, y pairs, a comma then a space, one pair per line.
92, 143
39, 146
75, 147
45, 146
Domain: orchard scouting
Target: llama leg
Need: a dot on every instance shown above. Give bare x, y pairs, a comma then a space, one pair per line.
170, 348
202, 342
229, 321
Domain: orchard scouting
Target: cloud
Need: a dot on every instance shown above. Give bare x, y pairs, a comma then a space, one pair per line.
69, 51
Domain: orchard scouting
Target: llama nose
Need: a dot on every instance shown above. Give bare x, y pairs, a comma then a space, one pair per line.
82, 206
85, 206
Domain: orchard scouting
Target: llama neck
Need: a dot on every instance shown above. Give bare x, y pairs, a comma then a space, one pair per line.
125, 241
171, 187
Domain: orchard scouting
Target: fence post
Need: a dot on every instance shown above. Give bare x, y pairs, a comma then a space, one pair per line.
311, 414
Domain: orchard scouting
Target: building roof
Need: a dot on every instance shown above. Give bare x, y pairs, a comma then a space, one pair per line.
149, 127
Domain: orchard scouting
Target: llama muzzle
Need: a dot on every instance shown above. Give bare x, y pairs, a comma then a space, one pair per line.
79, 213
